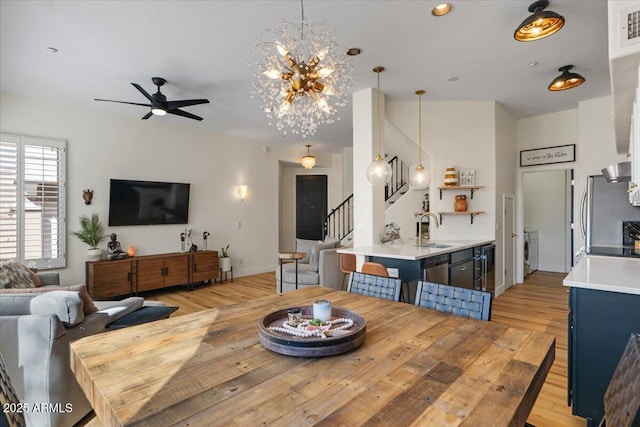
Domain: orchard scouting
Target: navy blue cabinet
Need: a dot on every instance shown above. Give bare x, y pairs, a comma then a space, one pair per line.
600, 324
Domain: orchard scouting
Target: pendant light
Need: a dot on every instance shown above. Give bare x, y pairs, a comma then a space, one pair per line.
419, 178
379, 171
566, 80
308, 161
541, 24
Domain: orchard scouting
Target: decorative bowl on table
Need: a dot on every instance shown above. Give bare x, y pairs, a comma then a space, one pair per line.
345, 331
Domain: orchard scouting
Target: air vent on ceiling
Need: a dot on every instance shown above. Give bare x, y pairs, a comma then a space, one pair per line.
630, 28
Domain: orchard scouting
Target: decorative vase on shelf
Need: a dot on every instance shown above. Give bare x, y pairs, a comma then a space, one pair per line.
461, 204
451, 177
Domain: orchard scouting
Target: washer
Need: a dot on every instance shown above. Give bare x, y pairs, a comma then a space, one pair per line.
530, 251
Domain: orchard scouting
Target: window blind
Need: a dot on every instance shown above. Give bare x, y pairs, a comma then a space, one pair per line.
32, 200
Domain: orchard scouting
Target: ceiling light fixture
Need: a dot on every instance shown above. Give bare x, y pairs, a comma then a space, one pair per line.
308, 161
566, 80
298, 73
419, 178
441, 9
541, 24
354, 51
379, 171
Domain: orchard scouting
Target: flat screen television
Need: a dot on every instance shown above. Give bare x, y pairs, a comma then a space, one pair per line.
148, 202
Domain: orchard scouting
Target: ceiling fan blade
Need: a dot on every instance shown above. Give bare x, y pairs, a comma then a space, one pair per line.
185, 103
149, 114
144, 92
184, 114
123, 102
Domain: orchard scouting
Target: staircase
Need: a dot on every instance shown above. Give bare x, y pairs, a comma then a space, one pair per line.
339, 223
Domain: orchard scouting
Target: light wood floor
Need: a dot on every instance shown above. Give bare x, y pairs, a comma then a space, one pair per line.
540, 304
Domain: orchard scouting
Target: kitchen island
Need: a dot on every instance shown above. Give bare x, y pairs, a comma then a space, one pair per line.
464, 263
604, 301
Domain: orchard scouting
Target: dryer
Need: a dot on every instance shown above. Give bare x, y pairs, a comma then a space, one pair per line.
530, 251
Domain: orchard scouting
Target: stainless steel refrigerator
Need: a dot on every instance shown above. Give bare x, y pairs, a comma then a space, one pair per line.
606, 210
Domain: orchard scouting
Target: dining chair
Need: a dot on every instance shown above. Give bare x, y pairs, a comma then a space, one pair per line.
347, 265
376, 286
378, 269
8, 398
451, 299
622, 397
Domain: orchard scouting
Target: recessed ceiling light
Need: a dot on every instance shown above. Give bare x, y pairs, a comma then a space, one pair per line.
441, 9
453, 79
52, 49
354, 51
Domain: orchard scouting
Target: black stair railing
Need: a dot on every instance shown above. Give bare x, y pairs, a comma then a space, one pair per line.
339, 223
399, 176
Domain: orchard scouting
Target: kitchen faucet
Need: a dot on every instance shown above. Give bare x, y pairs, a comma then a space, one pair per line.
420, 222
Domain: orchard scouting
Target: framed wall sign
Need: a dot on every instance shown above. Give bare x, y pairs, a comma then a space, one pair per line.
548, 155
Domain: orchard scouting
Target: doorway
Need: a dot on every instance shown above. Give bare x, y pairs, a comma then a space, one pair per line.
311, 206
508, 242
548, 210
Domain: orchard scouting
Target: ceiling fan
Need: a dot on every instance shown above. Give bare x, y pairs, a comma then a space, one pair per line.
159, 104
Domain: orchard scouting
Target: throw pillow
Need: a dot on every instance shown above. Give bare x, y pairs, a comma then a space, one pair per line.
8, 399
315, 252
14, 275
88, 306
305, 246
34, 278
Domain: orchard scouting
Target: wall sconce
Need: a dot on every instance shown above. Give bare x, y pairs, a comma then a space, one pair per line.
243, 191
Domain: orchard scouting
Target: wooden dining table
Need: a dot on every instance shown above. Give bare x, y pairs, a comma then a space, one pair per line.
416, 366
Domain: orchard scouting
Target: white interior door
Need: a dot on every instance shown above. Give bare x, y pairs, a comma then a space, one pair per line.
508, 240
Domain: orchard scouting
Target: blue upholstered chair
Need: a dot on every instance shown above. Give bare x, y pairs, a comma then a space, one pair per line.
376, 286
451, 299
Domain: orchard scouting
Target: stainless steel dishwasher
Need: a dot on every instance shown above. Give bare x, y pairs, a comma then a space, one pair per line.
437, 269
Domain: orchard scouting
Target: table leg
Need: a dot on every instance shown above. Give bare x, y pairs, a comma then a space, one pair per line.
296, 274
280, 275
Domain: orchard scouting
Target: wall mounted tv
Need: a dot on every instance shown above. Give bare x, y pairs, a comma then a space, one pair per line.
148, 202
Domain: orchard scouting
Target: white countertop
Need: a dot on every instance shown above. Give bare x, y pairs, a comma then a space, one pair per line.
410, 251
603, 273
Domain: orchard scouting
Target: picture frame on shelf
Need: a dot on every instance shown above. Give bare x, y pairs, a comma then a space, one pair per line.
467, 177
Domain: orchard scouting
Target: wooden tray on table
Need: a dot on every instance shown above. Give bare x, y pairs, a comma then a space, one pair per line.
290, 345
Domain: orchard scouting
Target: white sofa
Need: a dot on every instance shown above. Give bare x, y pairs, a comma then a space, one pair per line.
321, 266
35, 332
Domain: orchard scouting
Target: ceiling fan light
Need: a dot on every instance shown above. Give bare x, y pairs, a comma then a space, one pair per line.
158, 111
566, 80
541, 24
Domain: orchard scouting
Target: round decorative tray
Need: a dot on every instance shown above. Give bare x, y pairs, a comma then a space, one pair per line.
291, 345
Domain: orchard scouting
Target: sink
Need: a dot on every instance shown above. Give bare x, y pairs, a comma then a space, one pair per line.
434, 245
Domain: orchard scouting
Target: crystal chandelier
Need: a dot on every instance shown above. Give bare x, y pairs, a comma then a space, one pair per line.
302, 76
308, 161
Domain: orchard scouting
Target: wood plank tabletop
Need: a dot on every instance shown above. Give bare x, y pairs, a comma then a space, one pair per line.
416, 367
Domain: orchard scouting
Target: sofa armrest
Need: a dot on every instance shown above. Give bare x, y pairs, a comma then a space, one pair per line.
49, 278
329, 269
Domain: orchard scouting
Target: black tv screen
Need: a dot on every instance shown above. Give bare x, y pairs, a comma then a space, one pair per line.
148, 202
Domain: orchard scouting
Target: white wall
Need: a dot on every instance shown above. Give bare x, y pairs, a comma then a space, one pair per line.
505, 182
101, 146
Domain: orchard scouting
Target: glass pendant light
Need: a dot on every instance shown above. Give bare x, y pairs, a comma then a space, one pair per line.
419, 177
379, 171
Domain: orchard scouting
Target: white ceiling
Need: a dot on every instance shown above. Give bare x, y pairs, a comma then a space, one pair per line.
202, 48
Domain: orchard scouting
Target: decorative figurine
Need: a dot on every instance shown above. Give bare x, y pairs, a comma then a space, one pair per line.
204, 240
114, 249
182, 241
87, 195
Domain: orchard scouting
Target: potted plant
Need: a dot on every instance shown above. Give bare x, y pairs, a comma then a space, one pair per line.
225, 259
92, 233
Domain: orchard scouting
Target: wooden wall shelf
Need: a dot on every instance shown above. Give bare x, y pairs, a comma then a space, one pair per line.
471, 213
471, 188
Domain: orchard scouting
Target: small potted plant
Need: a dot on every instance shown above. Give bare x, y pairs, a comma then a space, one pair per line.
92, 233
225, 259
